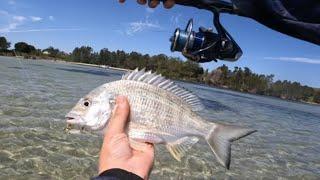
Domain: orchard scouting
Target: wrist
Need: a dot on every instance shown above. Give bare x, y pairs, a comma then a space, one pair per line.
118, 173
141, 173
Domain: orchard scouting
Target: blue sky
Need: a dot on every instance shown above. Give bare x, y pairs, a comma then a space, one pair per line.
66, 24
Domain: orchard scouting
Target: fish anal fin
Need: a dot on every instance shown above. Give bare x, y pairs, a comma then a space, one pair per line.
181, 146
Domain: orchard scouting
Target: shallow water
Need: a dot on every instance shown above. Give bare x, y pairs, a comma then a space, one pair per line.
35, 96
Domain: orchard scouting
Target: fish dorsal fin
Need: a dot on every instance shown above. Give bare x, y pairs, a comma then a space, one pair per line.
181, 146
166, 84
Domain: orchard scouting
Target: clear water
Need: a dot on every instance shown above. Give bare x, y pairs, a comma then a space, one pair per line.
35, 96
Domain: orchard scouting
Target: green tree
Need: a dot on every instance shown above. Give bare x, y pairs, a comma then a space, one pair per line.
224, 74
4, 44
24, 47
134, 60
191, 70
121, 58
104, 57
82, 54
316, 97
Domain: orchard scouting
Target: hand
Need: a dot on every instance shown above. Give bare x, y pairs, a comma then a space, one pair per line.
118, 152
201, 4
154, 3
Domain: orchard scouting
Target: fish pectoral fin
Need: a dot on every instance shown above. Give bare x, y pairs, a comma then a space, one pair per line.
145, 135
181, 146
138, 145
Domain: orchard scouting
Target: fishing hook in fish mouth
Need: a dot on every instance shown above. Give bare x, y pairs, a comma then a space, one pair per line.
71, 126
68, 128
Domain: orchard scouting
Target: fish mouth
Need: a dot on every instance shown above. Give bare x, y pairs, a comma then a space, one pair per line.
71, 119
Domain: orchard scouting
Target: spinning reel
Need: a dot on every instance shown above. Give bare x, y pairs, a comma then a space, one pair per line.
205, 45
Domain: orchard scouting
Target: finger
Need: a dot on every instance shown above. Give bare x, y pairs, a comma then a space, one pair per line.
153, 3
119, 117
169, 4
122, 1
113, 148
142, 2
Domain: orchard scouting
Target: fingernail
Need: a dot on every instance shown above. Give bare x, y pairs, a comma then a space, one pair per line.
153, 4
141, 2
168, 4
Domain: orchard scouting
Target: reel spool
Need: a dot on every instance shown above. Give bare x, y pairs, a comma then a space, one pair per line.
187, 39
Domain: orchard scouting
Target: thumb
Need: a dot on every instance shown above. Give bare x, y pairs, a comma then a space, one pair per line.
120, 115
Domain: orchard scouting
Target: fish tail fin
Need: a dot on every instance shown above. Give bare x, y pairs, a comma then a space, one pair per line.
220, 137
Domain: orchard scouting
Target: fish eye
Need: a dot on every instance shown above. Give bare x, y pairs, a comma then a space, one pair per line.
86, 103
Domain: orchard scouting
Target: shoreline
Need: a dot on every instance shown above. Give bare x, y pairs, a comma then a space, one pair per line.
96, 65
248, 93
126, 70
70, 62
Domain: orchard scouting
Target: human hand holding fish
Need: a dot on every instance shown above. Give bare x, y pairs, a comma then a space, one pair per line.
118, 151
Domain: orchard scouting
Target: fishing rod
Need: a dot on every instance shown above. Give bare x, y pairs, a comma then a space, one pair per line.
206, 45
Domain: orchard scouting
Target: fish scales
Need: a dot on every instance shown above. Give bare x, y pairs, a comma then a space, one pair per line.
160, 112
164, 111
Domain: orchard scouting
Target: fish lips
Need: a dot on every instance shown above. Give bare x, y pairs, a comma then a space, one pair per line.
73, 118
75, 121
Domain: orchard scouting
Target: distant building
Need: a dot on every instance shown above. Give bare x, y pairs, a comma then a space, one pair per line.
45, 52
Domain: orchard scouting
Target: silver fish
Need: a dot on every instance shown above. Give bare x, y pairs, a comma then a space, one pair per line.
160, 112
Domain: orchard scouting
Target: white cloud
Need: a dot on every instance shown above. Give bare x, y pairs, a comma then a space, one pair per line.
51, 18
9, 27
35, 18
295, 59
19, 18
46, 30
139, 26
12, 21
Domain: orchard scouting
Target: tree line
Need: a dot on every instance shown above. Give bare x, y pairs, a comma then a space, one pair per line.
29, 51
245, 80
239, 79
